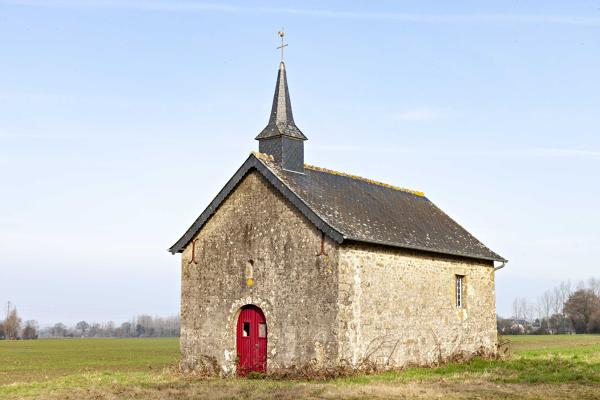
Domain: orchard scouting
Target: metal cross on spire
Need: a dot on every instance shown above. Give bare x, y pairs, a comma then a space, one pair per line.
281, 34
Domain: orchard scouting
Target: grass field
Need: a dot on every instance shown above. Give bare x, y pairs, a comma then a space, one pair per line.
541, 367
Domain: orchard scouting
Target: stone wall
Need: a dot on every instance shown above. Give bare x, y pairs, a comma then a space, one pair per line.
354, 302
398, 307
294, 286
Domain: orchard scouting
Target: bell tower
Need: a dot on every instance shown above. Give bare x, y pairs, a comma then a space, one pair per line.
281, 138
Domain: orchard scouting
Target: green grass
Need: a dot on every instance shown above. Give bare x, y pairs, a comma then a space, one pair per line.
529, 346
535, 359
35, 360
539, 367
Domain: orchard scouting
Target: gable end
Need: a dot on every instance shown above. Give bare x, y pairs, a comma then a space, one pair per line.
252, 163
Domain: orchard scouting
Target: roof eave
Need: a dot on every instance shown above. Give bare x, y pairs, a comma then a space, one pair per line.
425, 249
270, 132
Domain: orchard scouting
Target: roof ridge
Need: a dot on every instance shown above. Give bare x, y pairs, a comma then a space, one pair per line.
360, 178
262, 156
419, 193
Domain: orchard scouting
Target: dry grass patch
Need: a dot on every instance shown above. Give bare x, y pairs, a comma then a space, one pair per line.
219, 389
540, 368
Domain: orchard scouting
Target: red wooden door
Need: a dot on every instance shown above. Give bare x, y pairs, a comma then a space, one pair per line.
251, 340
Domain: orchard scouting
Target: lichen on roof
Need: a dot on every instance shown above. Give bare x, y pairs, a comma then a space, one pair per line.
267, 157
262, 156
360, 178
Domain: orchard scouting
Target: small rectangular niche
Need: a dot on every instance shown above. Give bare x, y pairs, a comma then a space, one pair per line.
246, 329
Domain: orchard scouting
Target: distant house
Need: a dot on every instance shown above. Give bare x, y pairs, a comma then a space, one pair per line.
293, 264
518, 328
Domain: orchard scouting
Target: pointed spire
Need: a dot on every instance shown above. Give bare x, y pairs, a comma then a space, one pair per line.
281, 138
281, 121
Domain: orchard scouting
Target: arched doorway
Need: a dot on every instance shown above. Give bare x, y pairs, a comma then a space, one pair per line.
251, 340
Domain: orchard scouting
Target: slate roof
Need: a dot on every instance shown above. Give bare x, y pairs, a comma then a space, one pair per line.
281, 120
349, 208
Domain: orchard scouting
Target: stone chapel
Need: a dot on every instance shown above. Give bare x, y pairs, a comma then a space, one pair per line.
293, 264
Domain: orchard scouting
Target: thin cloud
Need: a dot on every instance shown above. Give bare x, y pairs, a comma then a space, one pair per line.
142, 5
353, 148
162, 5
570, 152
535, 152
419, 114
11, 135
509, 153
443, 18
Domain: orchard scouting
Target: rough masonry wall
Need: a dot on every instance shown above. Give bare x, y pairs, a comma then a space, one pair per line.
398, 307
294, 286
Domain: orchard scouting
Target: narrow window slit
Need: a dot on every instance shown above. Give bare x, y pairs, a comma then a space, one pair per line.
460, 291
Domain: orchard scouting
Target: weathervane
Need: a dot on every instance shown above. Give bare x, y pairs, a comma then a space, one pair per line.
281, 34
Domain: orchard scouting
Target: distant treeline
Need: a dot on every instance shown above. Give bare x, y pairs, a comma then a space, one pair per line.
140, 326
562, 309
12, 328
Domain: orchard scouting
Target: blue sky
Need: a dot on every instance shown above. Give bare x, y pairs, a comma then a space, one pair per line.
120, 121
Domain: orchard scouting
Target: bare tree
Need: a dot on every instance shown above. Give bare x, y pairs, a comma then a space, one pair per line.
83, 327
557, 301
565, 290
516, 310
31, 330
594, 285
109, 329
545, 303
580, 307
12, 325
124, 330
147, 325
528, 310
58, 330
95, 330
